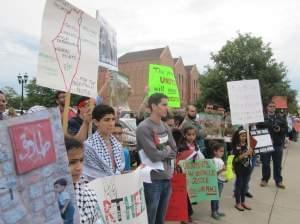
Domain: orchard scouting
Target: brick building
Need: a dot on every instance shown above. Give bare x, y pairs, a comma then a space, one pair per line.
136, 66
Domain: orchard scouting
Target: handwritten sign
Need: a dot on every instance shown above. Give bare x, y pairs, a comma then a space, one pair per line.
68, 57
177, 208
34, 170
120, 204
245, 102
33, 145
108, 54
264, 141
162, 80
202, 183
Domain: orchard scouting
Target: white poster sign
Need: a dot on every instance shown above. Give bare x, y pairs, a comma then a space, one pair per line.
121, 198
108, 57
245, 102
68, 57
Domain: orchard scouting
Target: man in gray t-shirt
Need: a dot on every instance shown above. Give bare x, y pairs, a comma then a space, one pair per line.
158, 144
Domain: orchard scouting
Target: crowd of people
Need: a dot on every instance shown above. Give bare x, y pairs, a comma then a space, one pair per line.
166, 137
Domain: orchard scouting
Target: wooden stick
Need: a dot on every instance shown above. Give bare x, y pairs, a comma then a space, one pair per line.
248, 135
66, 112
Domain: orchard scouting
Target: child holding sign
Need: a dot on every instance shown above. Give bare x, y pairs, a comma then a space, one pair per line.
242, 167
218, 151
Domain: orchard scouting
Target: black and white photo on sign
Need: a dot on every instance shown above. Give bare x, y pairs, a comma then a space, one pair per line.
264, 141
108, 57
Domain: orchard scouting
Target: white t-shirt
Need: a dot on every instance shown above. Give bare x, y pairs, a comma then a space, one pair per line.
219, 165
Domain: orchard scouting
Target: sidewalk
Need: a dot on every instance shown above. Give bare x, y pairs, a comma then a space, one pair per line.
269, 205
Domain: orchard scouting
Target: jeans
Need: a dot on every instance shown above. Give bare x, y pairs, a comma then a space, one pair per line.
68, 215
157, 195
214, 204
242, 179
266, 168
253, 161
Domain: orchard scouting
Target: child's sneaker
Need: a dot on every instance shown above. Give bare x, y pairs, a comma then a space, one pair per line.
215, 216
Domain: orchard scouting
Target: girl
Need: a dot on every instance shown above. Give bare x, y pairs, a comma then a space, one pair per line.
242, 167
86, 199
188, 149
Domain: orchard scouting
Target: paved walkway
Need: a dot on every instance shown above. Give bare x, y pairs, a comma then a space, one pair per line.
270, 205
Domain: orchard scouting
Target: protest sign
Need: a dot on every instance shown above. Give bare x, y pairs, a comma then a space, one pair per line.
162, 80
264, 141
280, 102
119, 91
108, 57
177, 208
68, 56
245, 102
211, 124
120, 203
229, 174
202, 182
34, 170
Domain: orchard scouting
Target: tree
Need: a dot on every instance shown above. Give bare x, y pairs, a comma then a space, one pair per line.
12, 97
246, 57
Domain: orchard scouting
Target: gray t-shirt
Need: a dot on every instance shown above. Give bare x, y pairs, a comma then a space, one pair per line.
154, 139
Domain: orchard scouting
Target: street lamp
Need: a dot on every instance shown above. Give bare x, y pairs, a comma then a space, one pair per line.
22, 80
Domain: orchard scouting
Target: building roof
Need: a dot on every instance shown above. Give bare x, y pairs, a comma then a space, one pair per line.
175, 60
141, 55
189, 68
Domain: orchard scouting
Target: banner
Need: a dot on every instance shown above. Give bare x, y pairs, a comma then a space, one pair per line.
264, 141
202, 182
245, 102
280, 102
119, 91
108, 55
121, 198
162, 80
212, 124
178, 205
34, 170
68, 56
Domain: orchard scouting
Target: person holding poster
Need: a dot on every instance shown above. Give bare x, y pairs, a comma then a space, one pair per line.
277, 127
60, 98
3, 103
242, 167
103, 152
85, 197
156, 140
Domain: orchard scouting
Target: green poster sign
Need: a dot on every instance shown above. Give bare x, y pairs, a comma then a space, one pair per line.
202, 182
162, 80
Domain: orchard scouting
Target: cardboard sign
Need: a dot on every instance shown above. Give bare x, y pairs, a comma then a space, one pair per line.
245, 102
108, 55
280, 102
34, 170
177, 208
264, 141
68, 57
202, 182
33, 145
211, 124
162, 80
120, 203
119, 91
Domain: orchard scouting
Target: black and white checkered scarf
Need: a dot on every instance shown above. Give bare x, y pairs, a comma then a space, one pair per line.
98, 162
87, 204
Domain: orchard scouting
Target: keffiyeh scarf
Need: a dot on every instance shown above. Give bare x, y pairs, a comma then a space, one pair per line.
98, 162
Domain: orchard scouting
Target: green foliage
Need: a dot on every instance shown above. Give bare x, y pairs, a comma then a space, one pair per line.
12, 97
246, 57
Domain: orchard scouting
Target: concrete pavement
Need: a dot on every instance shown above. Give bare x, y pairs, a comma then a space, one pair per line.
270, 205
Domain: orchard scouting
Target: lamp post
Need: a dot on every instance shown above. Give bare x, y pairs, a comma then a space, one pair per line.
22, 80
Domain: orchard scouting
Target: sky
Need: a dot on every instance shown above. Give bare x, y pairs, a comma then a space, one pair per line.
191, 28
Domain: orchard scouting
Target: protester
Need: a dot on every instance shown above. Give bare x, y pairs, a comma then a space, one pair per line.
79, 126
169, 120
12, 112
3, 104
188, 149
159, 146
118, 133
190, 120
242, 167
60, 98
209, 108
218, 151
85, 197
277, 127
103, 152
